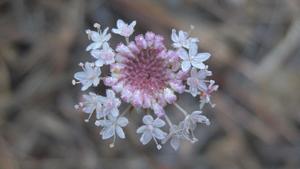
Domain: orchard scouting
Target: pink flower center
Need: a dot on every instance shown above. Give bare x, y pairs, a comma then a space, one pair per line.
146, 71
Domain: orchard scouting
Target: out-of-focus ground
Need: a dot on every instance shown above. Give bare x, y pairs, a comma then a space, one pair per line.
256, 60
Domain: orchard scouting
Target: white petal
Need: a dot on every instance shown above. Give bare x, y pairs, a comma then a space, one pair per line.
177, 45
201, 119
107, 37
182, 53
193, 50
120, 23
99, 62
95, 53
197, 112
107, 133
141, 129
175, 143
197, 64
193, 91
147, 119
95, 36
80, 75
110, 93
185, 65
182, 36
133, 23
105, 32
94, 45
174, 36
100, 114
120, 132
122, 121
115, 112
158, 122
96, 81
202, 56
146, 137
86, 85
116, 31
159, 134
88, 109
102, 123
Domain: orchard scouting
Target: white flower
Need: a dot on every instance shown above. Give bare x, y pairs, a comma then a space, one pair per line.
177, 134
196, 81
151, 130
193, 58
98, 38
123, 28
92, 102
89, 76
207, 91
112, 126
104, 56
182, 40
111, 104
190, 121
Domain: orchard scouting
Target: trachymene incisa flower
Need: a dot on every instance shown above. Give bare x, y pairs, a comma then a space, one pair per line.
147, 76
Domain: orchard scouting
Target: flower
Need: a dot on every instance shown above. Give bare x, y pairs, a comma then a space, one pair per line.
190, 121
98, 38
89, 76
182, 40
151, 130
91, 102
193, 58
206, 92
111, 104
124, 29
111, 127
144, 75
104, 56
176, 135
196, 81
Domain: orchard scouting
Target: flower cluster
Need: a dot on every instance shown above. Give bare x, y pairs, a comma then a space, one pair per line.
145, 75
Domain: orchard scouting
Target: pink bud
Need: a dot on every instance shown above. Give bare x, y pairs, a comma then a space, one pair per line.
137, 99
169, 96
158, 110
141, 42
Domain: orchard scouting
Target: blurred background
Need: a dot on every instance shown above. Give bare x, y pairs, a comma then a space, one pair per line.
256, 61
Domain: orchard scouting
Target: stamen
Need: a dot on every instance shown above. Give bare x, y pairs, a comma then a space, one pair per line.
88, 32
74, 82
158, 146
76, 106
111, 145
97, 26
81, 64
88, 119
194, 139
97, 122
192, 27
